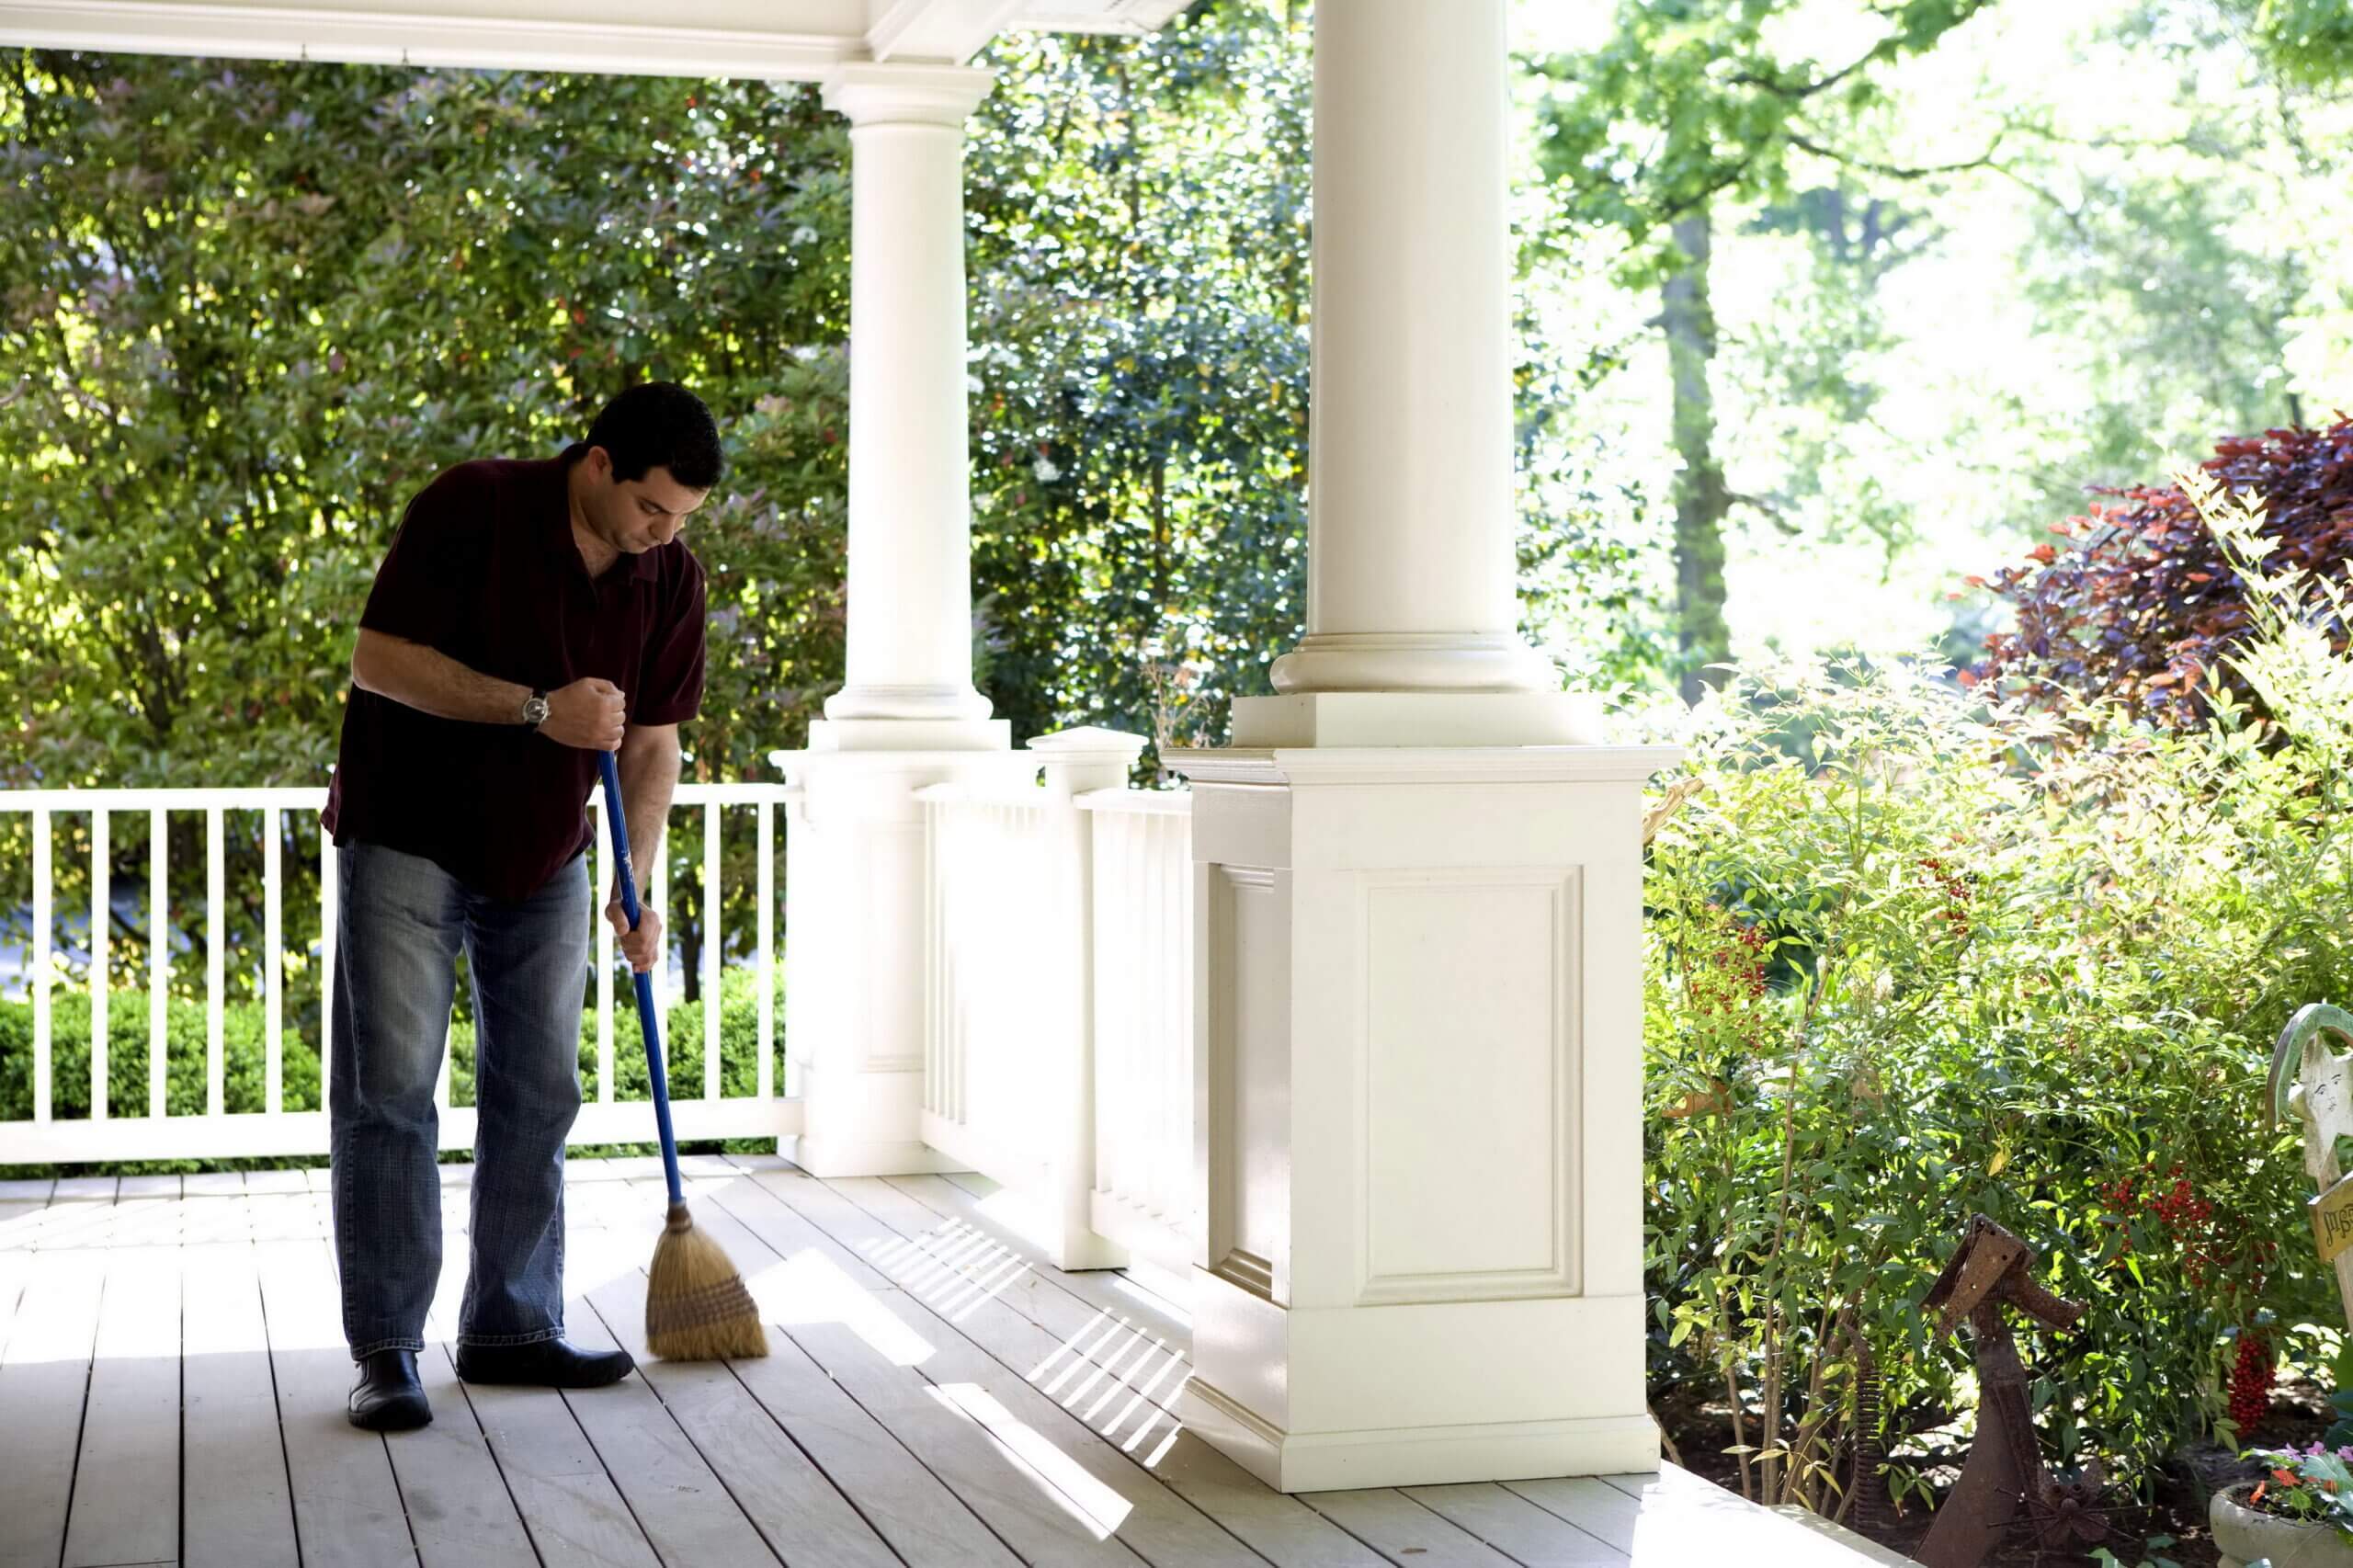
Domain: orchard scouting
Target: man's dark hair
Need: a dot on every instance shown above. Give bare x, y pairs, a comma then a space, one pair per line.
661, 424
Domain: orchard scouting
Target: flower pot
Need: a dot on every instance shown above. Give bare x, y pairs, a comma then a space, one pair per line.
2243, 1535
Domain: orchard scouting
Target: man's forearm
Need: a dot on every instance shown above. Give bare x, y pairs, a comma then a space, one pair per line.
432, 682
649, 770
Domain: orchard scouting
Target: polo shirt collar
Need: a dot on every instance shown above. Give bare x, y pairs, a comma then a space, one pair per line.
643, 566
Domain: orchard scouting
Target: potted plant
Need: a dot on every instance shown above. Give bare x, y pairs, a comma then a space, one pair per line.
2298, 1515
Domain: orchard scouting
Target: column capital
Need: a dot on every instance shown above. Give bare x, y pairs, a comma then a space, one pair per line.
868, 94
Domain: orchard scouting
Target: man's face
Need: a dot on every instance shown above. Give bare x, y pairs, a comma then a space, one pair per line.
637, 514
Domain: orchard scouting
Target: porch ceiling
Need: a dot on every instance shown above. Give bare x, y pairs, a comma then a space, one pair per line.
775, 40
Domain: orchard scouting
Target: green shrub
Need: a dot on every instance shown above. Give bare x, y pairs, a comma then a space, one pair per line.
243, 1071
1914, 956
244, 1068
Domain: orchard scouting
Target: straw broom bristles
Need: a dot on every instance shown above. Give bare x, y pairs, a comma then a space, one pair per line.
696, 1306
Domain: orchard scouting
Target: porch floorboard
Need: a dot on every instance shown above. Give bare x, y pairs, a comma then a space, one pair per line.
172, 1376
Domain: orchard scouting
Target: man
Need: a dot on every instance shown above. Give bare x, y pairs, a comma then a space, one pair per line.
529, 615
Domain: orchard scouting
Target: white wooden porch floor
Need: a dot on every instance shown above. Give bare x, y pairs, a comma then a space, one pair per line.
172, 1380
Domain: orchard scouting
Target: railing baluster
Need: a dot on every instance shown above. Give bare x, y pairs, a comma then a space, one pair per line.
1132, 1166
1172, 1025
942, 998
41, 963
1105, 860
935, 987
330, 904
1143, 1116
954, 971
710, 902
1115, 1033
215, 961
660, 900
1180, 1209
943, 1002
273, 974
159, 956
767, 949
101, 914
1141, 1078
606, 872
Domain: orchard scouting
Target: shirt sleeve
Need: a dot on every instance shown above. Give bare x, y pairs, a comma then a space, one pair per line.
421, 588
669, 683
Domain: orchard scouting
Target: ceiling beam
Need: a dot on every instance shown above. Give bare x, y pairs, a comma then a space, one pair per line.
675, 48
801, 40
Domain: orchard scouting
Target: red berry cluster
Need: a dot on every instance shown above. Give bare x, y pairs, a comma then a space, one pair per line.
1955, 913
1728, 974
2179, 1207
2212, 1253
2251, 1377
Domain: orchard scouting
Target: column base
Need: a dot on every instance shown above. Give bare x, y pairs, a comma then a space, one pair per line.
1418, 719
1413, 661
845, 1157
915, 735
1418, 1456
936, 703
1428, 1393
1417, 1049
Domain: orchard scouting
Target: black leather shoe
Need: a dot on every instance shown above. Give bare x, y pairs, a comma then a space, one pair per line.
543, 1363
388, 1398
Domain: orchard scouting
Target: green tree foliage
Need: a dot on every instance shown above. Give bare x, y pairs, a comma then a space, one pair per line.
1139, 263
1688, 105
250, 309
2191, 240
2309, 40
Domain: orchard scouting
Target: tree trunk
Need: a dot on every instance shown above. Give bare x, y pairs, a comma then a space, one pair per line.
1700, 496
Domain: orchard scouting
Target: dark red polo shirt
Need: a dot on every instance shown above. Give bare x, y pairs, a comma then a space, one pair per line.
484, 569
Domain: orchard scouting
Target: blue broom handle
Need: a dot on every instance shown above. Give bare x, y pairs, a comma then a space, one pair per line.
646, 1013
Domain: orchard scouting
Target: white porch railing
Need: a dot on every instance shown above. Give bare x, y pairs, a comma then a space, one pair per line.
1145, 1194
1058, 1028
999, 935
1058, 1040
107, 1133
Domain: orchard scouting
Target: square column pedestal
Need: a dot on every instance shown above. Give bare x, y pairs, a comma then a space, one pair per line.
854, 959
1418, 1088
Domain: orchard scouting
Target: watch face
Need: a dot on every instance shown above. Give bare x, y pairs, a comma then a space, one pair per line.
534, 710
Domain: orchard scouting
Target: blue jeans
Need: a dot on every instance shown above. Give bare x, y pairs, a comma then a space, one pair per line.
401, 922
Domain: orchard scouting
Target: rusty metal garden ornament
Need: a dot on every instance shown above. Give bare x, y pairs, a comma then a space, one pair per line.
2004, 1479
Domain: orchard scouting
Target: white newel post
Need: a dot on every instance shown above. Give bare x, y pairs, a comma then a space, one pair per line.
1418, 880
907, 716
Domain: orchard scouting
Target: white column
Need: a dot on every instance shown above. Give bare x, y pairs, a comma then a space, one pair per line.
907, 716
910, 654
1417, 881
1410, 562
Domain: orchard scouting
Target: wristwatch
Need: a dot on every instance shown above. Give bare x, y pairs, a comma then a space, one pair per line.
535, 709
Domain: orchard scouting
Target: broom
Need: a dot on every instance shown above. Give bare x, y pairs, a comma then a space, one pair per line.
696, 1306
